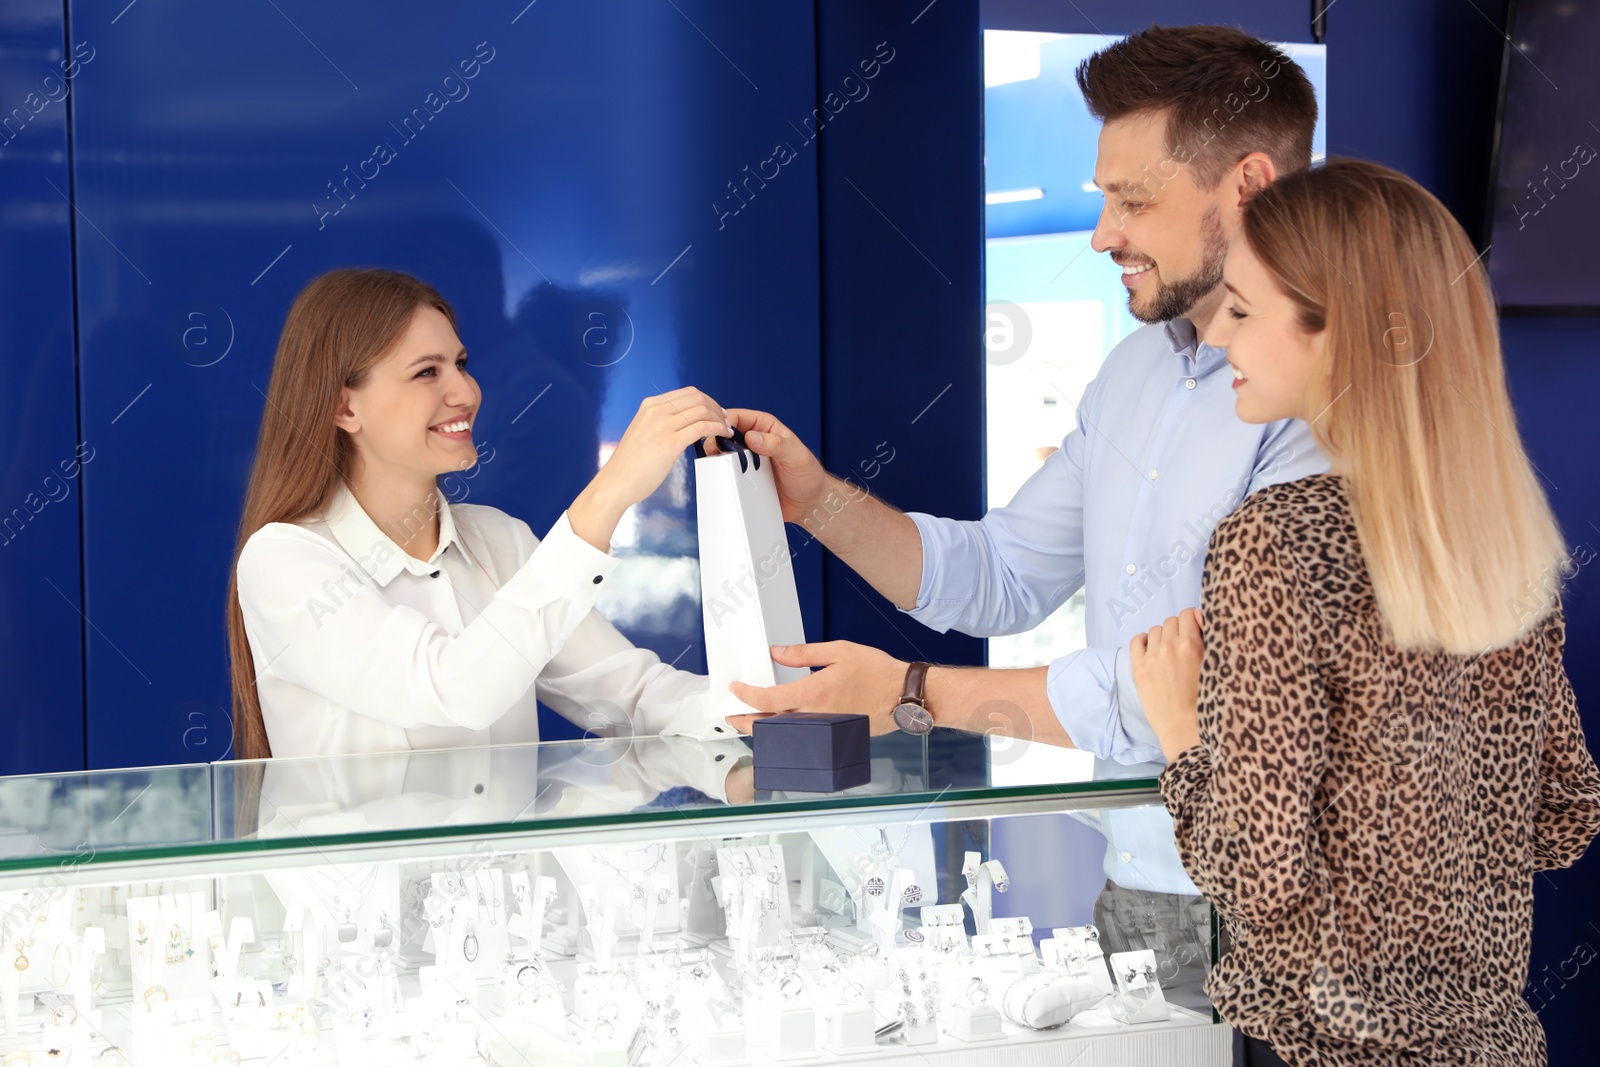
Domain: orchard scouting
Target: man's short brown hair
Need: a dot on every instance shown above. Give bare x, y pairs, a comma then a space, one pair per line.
1225, 93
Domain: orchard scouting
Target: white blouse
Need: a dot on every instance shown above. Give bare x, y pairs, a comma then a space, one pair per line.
361, 648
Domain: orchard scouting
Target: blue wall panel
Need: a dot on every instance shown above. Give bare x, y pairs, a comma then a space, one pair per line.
552, 169
41, 630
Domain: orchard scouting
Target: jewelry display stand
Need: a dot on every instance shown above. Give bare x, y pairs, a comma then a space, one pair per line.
803, 933
1140, 991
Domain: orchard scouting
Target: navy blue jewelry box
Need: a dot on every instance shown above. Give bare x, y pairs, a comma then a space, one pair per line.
809, 752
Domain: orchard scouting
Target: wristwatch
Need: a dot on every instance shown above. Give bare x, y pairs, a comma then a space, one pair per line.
912, 714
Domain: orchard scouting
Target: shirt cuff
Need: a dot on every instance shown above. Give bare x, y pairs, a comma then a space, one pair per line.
943, 552
1141, 737
1083, 688
693, 717
1183, 777
563, 566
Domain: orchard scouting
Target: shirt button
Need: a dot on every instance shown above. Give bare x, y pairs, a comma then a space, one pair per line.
598, 579
1189, 383
719, 729
1132, 568
1127, 857
1153, 473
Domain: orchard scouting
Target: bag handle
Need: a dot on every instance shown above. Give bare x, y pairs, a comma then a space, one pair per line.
734, 444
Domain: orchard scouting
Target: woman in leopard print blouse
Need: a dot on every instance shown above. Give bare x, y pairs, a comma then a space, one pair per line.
1374, 746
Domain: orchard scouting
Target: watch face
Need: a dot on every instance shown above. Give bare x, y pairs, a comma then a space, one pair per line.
912, 718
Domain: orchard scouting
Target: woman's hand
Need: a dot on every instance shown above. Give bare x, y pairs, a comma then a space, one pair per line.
1166, 670
663, 428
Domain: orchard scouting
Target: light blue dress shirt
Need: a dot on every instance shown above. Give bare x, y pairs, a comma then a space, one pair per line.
1124, 510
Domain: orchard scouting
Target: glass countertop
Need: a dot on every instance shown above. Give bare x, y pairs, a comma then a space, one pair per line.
284, 804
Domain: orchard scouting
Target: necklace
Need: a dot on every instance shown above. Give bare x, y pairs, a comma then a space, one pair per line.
634, 876
334, 901
178, 937
26, 933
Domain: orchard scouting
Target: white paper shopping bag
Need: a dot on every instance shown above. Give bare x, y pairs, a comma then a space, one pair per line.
747, 591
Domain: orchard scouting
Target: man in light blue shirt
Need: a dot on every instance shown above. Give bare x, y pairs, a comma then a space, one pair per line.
1195, 120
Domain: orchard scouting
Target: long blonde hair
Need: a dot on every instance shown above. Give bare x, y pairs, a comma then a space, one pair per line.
338, 328
1410, 404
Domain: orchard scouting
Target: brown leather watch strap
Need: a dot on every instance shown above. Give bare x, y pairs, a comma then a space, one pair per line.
916, 681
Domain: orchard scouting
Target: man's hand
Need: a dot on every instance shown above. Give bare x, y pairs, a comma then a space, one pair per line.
1165, 664
802, 482
854, 680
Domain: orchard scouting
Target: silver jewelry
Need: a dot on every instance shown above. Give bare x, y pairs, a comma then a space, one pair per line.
875, 887
469, 944
912, 894
383, 936
977, 991
791, 986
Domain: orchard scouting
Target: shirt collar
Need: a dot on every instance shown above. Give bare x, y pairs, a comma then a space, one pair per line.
374, 550
1198, 356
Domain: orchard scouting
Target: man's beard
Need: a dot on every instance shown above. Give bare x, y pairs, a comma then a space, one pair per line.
1174, 299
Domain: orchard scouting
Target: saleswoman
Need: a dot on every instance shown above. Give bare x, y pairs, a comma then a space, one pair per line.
367, 614
1387, 746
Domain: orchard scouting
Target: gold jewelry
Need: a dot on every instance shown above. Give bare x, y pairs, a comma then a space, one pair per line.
61, 1011
16, 1058
176, 940
151, 992
54, 961
227, 1056
202, 1045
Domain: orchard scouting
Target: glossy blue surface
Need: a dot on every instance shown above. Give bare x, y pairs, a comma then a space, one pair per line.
552, 170
41, 631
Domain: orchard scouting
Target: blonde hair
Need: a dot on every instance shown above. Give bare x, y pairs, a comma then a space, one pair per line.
1411, 406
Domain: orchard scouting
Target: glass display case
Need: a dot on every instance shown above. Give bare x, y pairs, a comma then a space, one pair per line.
622, 902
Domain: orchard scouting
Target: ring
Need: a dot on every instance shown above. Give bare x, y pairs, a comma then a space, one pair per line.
791, 986
527, 974
20, 1058
100, 1060
977, 991
62, 1009
151, 992
202, 1044
227, 1056
619, 982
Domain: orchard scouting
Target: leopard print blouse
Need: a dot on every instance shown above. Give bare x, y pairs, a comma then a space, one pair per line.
1368, 821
